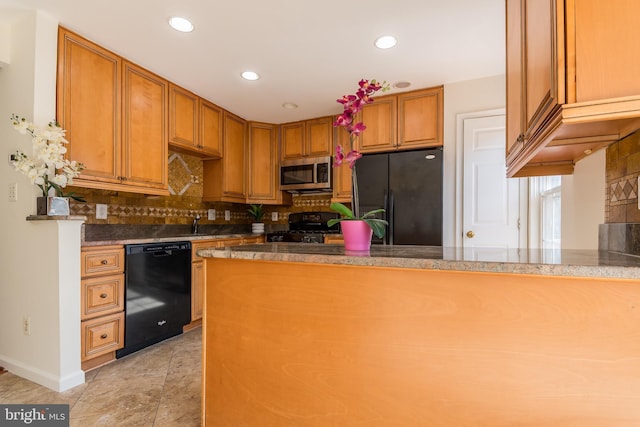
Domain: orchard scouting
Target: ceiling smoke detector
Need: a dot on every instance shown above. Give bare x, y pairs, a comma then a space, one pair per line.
181, 24
401, 85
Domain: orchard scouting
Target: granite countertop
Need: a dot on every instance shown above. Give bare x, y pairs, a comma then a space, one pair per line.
581, 263
176, 238
123, 234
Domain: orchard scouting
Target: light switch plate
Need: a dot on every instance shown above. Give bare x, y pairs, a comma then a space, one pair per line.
211, 214
101, 211
227, 215
274, 216
13, 192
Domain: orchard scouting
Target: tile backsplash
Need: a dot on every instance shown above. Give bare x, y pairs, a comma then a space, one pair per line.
622, 172
183, 203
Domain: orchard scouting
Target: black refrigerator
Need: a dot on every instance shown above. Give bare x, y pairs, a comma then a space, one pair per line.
408, 185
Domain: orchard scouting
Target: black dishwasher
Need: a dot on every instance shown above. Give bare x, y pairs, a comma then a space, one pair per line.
157, 293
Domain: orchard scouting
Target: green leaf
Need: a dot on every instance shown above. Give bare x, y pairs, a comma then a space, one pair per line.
76, 197
342, 210
333, 222
377, 225
372, 213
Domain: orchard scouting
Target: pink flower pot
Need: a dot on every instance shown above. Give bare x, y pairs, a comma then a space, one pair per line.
357, 235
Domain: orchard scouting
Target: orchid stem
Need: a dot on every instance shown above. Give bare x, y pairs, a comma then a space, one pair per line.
355, 198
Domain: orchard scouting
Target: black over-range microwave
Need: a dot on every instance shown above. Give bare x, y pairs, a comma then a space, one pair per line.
306, 174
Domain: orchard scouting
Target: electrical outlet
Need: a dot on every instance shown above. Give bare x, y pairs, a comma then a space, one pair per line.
274, 216
26, 325
211, 214
101, 211
227, 215
13, 192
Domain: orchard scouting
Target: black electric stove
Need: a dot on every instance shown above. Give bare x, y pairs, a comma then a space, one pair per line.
306, 227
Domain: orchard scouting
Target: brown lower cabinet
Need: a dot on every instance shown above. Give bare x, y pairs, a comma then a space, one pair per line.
102, 296
102, 304
198, 270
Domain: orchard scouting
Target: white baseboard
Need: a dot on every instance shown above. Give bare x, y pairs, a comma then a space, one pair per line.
38, 376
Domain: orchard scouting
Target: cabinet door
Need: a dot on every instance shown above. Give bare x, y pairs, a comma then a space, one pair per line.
543, 47
210, 128
342, 174
183, 118
145, 128
197, 289
420, 118
319, 137
233, 187
88, 106
262, 156
380, 121
607, 54
514, 74
292, 135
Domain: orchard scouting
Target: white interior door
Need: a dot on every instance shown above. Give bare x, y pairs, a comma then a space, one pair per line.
491, 201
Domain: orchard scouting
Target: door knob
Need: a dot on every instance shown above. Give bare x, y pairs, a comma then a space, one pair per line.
470, 234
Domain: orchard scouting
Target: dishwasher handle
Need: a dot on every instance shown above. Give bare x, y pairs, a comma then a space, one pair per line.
158, 249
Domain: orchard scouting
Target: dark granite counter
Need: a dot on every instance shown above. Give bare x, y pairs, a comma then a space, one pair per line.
181, 238
579, 263
108, 234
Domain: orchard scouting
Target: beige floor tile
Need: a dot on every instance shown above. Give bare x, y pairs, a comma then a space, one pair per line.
157, 386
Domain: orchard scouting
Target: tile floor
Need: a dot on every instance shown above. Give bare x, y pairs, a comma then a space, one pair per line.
156, 386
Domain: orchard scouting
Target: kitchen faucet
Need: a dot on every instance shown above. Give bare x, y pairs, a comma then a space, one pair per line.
194, 226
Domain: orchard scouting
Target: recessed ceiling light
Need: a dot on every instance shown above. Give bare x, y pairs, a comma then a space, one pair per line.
290, 105
181, 24
250, 75
401, 85
385, 42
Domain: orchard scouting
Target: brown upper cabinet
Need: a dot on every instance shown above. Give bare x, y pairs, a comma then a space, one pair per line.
195, 124
341, 174
405, 121
224, 179
115, 114
309, 138
572, 85
262, 165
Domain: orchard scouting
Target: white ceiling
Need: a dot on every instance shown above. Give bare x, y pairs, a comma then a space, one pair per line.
306, 52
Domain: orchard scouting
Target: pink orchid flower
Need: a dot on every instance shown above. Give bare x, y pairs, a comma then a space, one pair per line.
339, 156
352, 157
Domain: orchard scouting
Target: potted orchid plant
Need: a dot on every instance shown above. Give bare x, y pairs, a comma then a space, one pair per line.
366, 223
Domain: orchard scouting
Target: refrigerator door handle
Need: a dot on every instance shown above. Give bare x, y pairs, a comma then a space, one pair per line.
385, 239
391, 207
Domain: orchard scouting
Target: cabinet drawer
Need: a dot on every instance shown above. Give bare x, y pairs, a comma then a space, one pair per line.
102, 335
101, 260
229, 242
102, 295
252, 240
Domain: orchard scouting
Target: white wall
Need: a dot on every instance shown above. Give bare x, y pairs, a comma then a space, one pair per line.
583, 199
39, 260
5, 44
463, 97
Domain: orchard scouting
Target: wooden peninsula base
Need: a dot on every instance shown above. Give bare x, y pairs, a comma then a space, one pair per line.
304, 344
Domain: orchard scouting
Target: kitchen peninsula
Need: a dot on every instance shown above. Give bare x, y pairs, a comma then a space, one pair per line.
308, 335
